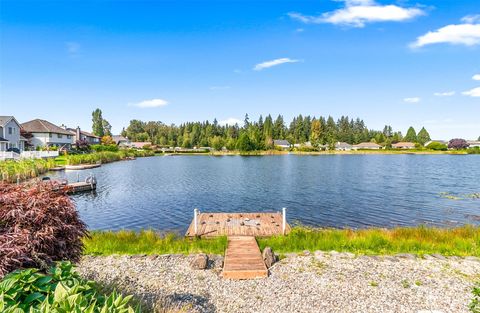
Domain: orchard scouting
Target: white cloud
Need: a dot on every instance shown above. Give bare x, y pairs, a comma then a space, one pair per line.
153, 103
271, 63
230, 121
412, 100
357, 13
219, 87
467, 34
471, 19
476, 77
73, 48
475, 92
444, 94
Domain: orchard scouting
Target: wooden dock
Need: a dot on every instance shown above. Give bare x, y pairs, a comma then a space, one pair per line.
243, 259
238, 224
81, 187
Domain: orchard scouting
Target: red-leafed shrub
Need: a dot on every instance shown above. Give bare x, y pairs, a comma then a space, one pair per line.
38, 225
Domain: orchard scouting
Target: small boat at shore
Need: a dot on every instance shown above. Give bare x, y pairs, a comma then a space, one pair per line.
81, 167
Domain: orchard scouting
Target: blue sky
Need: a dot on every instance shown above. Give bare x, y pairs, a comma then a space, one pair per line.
390, 62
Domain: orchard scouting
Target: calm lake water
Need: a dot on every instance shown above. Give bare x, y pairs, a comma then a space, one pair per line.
328, 190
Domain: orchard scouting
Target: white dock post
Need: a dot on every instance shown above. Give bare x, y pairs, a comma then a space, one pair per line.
195, 222
284, 220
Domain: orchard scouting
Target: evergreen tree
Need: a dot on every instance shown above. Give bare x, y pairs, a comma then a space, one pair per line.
97, 123
411, 135
423, 136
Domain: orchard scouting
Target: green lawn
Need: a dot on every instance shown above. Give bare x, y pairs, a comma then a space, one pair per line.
420, 240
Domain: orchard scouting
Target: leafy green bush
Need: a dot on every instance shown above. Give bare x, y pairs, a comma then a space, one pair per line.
100, 148
474, 150
437, 146
475, 304
60, 290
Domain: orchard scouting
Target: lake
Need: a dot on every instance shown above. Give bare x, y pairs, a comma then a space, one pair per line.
327, 190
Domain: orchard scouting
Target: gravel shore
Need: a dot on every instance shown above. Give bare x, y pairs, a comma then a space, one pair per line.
311, 282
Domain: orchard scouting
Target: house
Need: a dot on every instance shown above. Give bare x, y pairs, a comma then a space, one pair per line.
403, 145
473, 143
284, 144
79, 134
343, 146
307, 144
140, 144
439, 141
122, 141
367, 146
46, 134
10, 137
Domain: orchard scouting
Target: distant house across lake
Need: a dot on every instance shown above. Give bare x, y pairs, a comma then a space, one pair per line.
343, 146
367, 146
284, 144
46, 134
140, 145
473, 143
122, 141
403, 145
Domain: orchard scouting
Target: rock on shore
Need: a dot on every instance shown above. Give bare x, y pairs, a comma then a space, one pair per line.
314, 282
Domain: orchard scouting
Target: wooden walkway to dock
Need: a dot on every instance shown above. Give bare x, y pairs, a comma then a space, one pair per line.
243, 259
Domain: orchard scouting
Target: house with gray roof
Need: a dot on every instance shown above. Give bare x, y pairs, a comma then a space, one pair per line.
10, 137
284, 144
343, 146
46, 134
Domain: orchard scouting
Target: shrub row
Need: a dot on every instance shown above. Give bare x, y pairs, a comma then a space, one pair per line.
105, 156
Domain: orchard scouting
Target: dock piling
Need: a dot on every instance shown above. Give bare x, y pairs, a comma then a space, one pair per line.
284, 220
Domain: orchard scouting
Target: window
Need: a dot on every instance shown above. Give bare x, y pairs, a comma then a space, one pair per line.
10, 130
69, 136
59, 135
50, 135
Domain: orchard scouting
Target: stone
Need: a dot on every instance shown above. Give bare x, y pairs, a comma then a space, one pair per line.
390, 258
439, 256
215, 262
306, 253
408, 256
152, 257
347, 255
199, 262
268, 257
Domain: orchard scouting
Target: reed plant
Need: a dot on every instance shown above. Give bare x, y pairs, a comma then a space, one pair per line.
105, 156
13, 171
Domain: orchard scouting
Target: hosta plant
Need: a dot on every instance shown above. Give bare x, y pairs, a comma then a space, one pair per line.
61, 290
475, 304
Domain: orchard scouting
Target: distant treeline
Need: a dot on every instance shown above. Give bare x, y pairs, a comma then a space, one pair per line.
259, 135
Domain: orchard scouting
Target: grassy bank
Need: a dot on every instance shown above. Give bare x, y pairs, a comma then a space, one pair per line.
11, 171
335, 152
462, 241
103, 157
149, 242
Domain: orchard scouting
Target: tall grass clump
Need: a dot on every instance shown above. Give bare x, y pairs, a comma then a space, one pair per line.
12, 171
461, 241
38, 225
105, 156
149, 242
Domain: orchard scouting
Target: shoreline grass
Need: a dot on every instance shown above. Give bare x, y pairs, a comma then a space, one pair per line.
103, 157
461, 241
21, 170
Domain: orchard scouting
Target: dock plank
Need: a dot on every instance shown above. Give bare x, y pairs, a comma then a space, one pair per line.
243, 259
237, 224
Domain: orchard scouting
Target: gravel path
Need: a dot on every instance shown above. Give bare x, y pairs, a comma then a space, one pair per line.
316, 282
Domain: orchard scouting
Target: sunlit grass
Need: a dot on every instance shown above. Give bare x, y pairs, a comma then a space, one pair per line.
149, 242
420, 240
